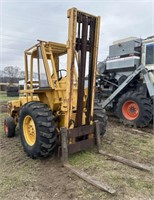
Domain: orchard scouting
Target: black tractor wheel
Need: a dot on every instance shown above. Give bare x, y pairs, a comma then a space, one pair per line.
37, 129
9, 127
134, 109
100, 115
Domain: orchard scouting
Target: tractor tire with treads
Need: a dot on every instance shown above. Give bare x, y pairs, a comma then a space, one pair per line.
37, 129
134, 109
13, 89
100, 115
9, 127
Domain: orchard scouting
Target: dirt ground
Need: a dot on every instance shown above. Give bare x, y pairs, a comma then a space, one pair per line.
22, 178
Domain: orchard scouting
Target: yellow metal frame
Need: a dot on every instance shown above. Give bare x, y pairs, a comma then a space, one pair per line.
61, 95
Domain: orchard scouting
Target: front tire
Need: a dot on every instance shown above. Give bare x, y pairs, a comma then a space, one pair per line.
37, 129
134, 109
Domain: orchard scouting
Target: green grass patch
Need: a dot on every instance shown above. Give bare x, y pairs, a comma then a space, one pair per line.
140, 184
2, 117
143, 144
4, 98
128, 145
2, 92
85, 157
8, 183
16, 177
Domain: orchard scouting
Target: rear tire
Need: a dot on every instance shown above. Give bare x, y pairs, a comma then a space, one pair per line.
100, 115
37, 129
9, 127
134, 109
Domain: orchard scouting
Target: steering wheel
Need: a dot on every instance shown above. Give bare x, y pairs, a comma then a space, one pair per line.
60, 75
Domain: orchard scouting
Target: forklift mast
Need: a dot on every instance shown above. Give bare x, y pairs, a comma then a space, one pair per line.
83, 39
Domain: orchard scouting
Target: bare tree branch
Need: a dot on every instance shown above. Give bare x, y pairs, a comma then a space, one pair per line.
12, 73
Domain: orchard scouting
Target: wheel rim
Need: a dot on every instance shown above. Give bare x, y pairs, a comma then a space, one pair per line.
130, 110
29, 130
6, 129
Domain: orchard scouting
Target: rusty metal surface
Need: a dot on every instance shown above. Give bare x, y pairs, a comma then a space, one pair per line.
64, 146
80, 131
81, 145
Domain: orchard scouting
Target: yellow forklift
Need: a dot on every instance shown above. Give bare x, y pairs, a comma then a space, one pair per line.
55, 99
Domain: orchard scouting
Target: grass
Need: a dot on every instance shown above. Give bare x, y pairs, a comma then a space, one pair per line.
137, 185
138, 147
87, 158
129, 182
113, 173
2, 117
132, 146
15, 177
4, 98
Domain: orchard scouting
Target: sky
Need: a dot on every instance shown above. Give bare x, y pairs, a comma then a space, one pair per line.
23, 22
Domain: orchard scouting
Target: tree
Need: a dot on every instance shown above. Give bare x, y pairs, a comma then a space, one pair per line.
12, 73
22, 75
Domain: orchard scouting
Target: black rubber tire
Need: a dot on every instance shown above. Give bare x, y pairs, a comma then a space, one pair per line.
9, 123
12, 94
13, 89
145, 109
45, 129
100, 115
